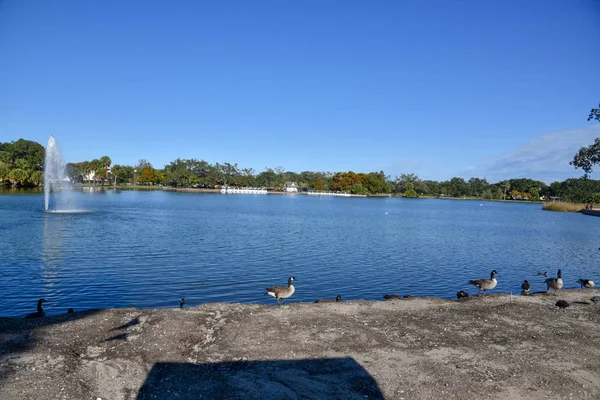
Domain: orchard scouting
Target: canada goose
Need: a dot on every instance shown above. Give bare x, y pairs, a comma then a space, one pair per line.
407, 296
526, 288
555, 283
70, 311
337, 298
595, 299
461, 294
485, 284
391, 297
181, 303
586, 283
282, 292
544, 274
39, 313
562, 304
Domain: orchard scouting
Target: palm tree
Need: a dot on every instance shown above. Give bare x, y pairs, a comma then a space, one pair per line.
505, 187
18, 175
37, 178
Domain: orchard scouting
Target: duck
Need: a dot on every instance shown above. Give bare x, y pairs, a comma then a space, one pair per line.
391, 297
461, 294
595, 299
485, 284
562, 304
587, 283
526, 288
40, 312
181, 302
70, 311
555, 283
337, 298
544, 274
282, 292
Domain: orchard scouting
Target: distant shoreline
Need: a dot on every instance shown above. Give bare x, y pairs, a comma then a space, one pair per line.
218, 191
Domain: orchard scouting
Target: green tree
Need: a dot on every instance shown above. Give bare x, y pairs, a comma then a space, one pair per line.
410, 191
477, 186
18, 176
535, 194
498, 195
36, 178
588, 156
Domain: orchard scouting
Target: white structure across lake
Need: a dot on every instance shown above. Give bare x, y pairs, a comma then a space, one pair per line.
319, 193
230, 190
291, 187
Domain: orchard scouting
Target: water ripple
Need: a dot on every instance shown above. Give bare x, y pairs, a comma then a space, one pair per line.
149, 249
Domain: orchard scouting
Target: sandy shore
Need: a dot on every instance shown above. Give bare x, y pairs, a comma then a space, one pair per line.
491, 348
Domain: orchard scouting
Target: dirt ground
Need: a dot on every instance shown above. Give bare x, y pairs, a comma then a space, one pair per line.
495, 347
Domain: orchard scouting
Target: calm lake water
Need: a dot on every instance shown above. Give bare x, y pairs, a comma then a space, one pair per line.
149, 249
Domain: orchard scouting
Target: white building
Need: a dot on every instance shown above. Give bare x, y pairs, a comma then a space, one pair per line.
291, 187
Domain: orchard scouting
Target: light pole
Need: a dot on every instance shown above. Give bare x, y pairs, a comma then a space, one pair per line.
134, 172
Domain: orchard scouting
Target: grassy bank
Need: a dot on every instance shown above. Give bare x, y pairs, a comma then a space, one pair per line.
563, 206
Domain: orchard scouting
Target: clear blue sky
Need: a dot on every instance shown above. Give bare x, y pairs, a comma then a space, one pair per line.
438, 87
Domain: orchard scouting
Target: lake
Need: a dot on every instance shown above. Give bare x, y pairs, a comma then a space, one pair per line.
151, 248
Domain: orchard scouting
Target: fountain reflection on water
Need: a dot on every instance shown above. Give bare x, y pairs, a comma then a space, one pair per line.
57, 183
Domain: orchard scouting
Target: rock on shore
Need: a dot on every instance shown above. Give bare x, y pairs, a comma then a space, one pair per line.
490, 347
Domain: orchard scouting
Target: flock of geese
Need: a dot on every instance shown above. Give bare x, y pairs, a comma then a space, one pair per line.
280, 293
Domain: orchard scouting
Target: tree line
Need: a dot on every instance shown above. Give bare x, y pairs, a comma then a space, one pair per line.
21, 165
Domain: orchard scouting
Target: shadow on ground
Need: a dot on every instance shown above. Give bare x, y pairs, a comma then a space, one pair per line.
332, 378
20, 335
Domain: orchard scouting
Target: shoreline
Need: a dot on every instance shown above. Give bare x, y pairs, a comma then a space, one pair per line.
497, 347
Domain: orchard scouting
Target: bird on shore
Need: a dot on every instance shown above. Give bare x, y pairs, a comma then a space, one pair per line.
544, 274
461, 294
181, 303
70, 311
407, 296
282, 292
40, 312
392, 297
485, 284
337, 298
587, 283
555, 283
595, 299
562, 304
526, 288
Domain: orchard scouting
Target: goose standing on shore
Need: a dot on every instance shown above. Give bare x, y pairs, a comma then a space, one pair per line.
392, 296
586, 283
181, 303
40, 312
485, 284
555, 283
282, 292
461, 294
526, 288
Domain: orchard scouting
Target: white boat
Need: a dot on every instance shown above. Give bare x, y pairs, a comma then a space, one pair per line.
249, 190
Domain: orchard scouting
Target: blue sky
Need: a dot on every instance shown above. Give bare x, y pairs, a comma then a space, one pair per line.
440, 88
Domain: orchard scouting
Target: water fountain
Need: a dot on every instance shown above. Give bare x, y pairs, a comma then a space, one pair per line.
56, 181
